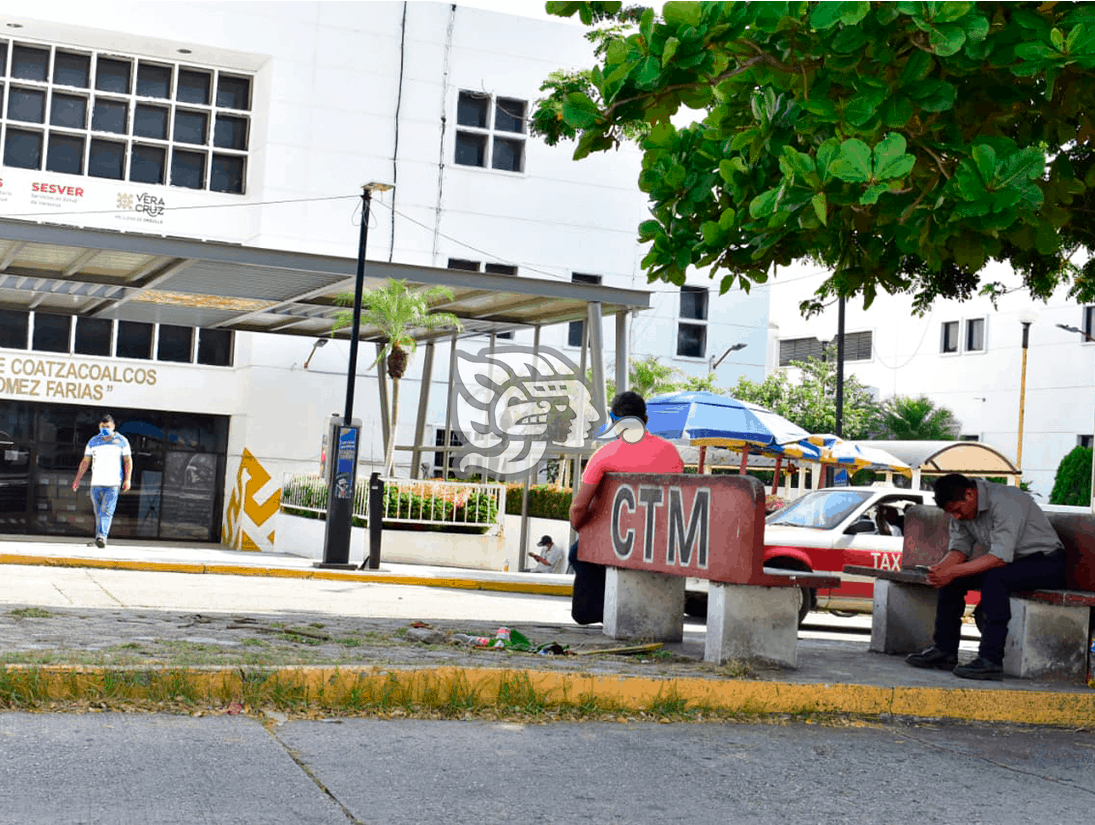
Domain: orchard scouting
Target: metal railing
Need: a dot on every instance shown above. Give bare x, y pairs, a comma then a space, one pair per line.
407, 501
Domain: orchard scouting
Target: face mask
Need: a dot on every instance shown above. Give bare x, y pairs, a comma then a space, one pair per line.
105, 432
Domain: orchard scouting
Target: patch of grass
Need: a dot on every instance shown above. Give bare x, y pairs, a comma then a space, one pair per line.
668, 703
350, 641
29, 613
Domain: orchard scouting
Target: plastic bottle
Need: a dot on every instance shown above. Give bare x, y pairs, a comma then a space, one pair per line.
474, 641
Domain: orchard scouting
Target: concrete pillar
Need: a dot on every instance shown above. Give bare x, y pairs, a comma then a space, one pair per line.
904, 617
751, 624
643, 605
1047, 641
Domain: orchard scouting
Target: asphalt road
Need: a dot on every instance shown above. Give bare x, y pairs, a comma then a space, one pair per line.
116, 768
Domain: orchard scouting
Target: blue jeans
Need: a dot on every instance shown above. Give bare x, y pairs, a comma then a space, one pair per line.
1028, 573
103, 502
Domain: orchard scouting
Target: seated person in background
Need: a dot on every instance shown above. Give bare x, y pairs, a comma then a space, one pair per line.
549, 560
889, 521
634, 451
1024, 553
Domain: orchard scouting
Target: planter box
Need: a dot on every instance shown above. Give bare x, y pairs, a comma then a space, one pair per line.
300, 536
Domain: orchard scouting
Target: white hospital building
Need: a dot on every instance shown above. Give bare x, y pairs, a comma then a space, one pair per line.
180, 202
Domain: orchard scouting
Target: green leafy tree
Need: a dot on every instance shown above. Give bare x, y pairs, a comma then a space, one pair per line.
1073, 482
647, 376
398, 312
903, 145
916, 419
810, 401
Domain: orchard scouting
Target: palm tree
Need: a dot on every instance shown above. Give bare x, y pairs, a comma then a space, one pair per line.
397, 311
917, 419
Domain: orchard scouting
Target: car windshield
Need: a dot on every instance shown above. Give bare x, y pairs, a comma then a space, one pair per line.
820, 510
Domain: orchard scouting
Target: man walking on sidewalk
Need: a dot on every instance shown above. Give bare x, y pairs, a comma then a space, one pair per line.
110, 459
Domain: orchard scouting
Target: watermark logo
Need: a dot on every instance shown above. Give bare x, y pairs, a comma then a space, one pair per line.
516, 404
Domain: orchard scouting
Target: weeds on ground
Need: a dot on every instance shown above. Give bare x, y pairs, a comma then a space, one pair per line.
29, 613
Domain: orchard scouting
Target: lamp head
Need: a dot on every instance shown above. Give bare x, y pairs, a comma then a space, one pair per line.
1028, 316
376, 186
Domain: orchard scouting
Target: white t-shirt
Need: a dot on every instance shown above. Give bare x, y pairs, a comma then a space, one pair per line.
556, 558
106, 459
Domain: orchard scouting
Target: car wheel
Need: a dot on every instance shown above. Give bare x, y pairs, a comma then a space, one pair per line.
806, 603
695, 605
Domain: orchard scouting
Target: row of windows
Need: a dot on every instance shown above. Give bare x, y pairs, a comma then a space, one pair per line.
490, 131
479, 266
67, 334
123, 118
972, 341
857, 347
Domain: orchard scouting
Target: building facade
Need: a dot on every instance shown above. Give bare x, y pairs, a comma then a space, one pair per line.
256, 124
965, 356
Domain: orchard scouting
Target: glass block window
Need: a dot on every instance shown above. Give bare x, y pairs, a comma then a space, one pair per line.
490, 131
120, 117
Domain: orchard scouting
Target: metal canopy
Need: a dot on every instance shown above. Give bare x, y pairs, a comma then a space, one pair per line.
133, 277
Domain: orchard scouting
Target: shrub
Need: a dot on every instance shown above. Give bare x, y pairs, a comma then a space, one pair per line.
544, 500
440, 503
1073, 482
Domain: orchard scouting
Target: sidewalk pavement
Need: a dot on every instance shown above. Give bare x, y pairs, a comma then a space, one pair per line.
836, 672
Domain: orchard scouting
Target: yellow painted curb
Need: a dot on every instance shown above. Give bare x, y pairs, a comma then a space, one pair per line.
457, 582
489, 688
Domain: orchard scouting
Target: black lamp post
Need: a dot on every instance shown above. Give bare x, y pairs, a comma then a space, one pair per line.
345, 436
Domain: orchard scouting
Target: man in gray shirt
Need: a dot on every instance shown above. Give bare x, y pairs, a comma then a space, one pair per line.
1024, 553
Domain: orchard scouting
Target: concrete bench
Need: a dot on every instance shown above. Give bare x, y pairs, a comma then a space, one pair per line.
652, 531
1049, 631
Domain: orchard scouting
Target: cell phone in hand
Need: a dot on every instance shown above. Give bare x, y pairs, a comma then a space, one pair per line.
924, 568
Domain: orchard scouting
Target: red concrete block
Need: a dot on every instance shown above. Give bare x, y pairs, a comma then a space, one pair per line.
706, 526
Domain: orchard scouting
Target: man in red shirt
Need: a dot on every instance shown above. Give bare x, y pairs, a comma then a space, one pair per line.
634, 451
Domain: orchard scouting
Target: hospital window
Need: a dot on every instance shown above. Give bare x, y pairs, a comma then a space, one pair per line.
692, 327
121, 117
576, 329
949, 337
53, 332
490, 131
975, 335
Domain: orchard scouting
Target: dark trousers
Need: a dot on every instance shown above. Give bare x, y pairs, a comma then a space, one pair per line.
996, 586
587, 605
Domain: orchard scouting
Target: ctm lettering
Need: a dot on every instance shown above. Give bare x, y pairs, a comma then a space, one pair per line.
683, 539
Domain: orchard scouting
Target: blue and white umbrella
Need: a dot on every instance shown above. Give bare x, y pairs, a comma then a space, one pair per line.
706, 416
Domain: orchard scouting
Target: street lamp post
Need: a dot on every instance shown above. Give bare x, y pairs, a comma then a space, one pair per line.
1026, 318
713, 362
345, 436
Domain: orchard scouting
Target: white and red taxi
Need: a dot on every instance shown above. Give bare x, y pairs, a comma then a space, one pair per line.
826, 529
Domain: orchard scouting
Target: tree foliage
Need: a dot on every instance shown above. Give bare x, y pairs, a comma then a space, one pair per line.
810, 401
916, 419
1073, 482
903, 145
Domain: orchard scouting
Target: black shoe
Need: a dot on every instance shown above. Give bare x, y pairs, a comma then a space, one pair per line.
100, 542
933, 657
980, 668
